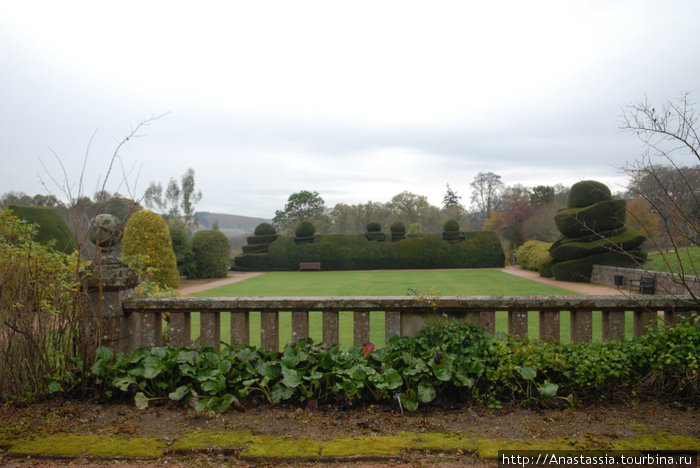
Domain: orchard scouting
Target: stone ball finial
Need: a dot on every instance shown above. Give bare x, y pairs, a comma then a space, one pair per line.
105, 232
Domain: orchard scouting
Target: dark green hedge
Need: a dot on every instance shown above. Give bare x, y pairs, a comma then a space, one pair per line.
356, 252
51, 226
211, 253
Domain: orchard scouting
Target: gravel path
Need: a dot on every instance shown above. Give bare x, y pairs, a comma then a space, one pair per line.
194, 286
582, 288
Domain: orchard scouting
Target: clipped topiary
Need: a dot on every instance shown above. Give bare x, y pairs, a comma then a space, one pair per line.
211, 253
451, 231
51, 226
451, 225
304, 233
588, 192
398, 231
374, 227
264, 235
533, 254
593, 225
374, 232
264, 229
147, 234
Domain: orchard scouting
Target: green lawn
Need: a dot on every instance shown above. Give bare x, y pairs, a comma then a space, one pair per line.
384, 283
689, 257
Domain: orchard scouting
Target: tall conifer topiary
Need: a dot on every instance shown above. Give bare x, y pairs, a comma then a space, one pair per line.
147, 234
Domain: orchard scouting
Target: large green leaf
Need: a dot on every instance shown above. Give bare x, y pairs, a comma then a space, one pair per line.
548, 389
122, 383
426, 393
214, 387
290, 377
179, 393
152, 367
393, 378
528, 373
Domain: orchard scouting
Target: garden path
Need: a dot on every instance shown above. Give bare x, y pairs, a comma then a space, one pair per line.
587, 289
195, 286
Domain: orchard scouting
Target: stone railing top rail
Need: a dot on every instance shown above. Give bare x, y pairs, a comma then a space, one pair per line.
462, 303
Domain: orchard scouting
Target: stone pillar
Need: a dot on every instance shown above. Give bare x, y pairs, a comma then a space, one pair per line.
109, 283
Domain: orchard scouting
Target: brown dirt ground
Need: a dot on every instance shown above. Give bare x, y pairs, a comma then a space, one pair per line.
169, 421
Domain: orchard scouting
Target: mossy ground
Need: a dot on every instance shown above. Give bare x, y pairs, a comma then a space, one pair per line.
272, 436
246, 445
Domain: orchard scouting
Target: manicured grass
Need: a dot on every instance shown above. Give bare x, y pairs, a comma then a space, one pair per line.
689, 257
385, 283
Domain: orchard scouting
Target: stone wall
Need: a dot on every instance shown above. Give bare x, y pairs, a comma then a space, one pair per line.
665, 283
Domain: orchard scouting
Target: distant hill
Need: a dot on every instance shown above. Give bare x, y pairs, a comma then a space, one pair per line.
228, 223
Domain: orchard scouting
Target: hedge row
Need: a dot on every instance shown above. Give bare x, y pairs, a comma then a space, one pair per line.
51, 226
355, 252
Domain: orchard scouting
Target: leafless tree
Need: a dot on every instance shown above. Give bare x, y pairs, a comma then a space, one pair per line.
667, 176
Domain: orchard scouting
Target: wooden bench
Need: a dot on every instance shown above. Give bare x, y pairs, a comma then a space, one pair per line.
645, 285
310, 266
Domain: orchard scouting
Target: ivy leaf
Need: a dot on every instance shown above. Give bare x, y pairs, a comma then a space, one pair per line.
548, 390
141, 401
528, 373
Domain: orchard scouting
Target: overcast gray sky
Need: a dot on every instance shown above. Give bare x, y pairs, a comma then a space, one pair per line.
357, 100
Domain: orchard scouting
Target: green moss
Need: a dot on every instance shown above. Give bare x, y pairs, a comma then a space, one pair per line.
283, 447
437, 441
227, 441
365, 447
84, 445
249, 446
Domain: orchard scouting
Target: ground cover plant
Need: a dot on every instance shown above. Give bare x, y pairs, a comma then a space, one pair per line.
383, 283
448, 363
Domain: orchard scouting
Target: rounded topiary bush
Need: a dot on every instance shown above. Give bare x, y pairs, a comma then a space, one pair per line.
451, 225
374, 227
588, 192
211, 253
533, 254
147, 234
304, 229
265, 229
451, 232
